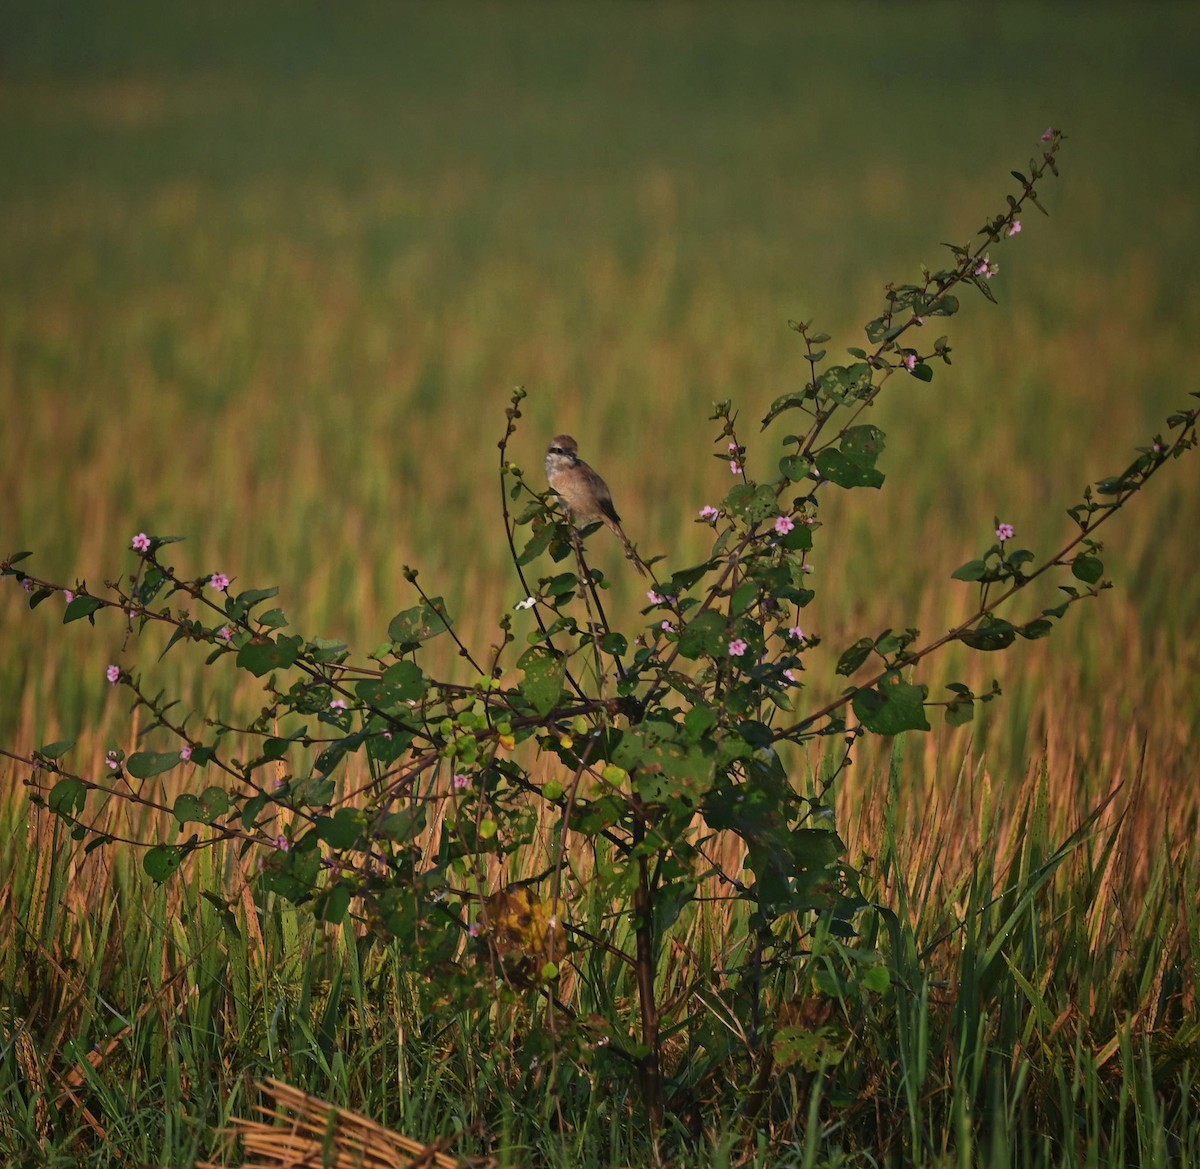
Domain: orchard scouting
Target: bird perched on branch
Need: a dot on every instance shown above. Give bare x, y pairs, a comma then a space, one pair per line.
584, 494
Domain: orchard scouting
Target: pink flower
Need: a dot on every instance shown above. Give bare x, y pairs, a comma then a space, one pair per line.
735, 467
282, 843
474, 929
338, 704
667, 627
27, 584
225, 633
112, 760
918, 320
1048, 134
790, 675
986, 268
141, 542
185, 752
69, 595
737, 647
219, 581
461, 782
655, 598
1005, 532
733, 448
113, 674
709, 513
910, 361
796, 633
1015, 229
784, 524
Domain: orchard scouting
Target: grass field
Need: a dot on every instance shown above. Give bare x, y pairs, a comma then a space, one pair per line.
269, 275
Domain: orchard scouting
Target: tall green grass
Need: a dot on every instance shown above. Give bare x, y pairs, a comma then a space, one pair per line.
269, 274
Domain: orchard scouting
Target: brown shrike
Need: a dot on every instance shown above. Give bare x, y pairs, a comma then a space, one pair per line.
584, 494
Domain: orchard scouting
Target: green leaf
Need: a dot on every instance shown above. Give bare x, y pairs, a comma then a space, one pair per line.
743, 597
202, 809
162, 860
55, 750
83, 606
1087, 568
877, 978
698, 721
252, 808
614, 643
342, 830
991, 633
331, 906
143, 764
1039, 627
960, 713
813, 1049
667, 767
419, 623
893, 707
703, 636
337, 750
260, 657
972, 570
755, 504
38, 597
795, 467
542, 685
538, 542
400, 683
67, 797
922, 372
853, 658
151, 584
853, 464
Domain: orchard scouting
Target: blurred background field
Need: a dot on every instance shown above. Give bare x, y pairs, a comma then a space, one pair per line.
270, 271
